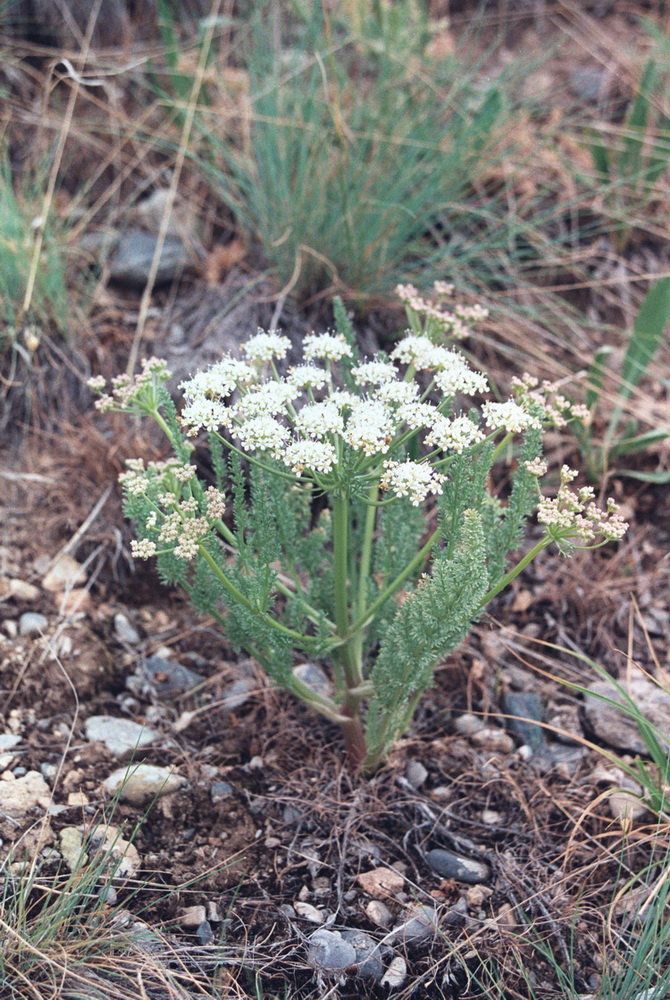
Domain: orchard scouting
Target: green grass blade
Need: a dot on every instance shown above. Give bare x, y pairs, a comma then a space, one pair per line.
596, 374
647, 335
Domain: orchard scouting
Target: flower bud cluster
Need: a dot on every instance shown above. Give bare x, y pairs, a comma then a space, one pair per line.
573, 516
544, 400
431, 313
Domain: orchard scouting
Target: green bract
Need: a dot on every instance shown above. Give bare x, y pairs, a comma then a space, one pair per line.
313, 542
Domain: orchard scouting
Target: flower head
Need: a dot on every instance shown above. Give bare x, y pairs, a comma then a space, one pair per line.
411, 479
326, 347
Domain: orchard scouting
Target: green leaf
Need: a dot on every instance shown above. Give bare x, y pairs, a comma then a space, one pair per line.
647, 335
660, 478
639, 442
596, 374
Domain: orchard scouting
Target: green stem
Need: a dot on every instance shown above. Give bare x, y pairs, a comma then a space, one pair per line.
410, 568
513, 573
304, 640
364, 565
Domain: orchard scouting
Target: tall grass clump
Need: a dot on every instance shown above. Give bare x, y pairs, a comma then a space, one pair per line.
46, 304
366, 159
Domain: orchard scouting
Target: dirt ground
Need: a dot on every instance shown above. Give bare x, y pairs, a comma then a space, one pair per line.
268, 835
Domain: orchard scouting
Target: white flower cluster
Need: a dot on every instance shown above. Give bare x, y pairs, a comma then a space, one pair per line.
128, 391
546, 402
436, 319
411, 479
574, 516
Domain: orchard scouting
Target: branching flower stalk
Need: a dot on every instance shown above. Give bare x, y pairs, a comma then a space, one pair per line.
312, 542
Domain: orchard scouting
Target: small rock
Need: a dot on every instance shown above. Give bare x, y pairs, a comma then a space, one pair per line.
119, 735
416, 773
20, 796
477, 894
64, 574
33, 623
239, 692
132, 261
588, 83
22, 591
379, 913
140, 783
468, 724
456, 914
329, 952
367, 954
524, 711
493, 740
10, 628
212, 912
125, 632
163, 678
315, 677
204, 933
491, 817
7, 742
618, 729
626, 806
77, 601
420, 923
220, 790
123, 855
72, 847
396, 974
309, 912
77, 799
192, 916
450, 865
381, 882
566, 726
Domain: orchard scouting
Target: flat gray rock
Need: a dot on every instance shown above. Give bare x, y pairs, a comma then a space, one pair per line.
131, 263
450, 865
329, 952
140, 783
119, 735
32, 623
367, 950
614, 726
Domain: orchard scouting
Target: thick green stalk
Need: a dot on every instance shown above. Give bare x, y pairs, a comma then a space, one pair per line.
350, 673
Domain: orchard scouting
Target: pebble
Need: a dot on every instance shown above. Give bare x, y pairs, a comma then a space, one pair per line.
64, 574
381, 882
20, 796
566, 724
526, 710
379, 913
450, 865
329, 952
396, 973
32, 623
72, 847
367, 954
7, 743
120, 736
192, 916
415, 773
123, 855
494, 740
468, 724
204, 933
131, 263
309, 912
618, 729
124, 631
239, 692
10, 627
138, 784
220, 790
163, 678
421, 923
491, 817
22, 591
626, 806
315, 677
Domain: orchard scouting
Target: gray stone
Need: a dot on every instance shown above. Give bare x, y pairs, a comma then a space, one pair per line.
125, 632
367, 954
122, 856
22, 591
494, 740
524, 711
204, 933
315, 677
618, 729
450, 865
415, 773
420, 923
379, 913
239, 692
32, 623
220, 790
65, 573
468, 724
8, 741
163, 678
192, 916
119, 735
140, 783
72, 847
329, 952
21, 796
131, 263
396, 973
